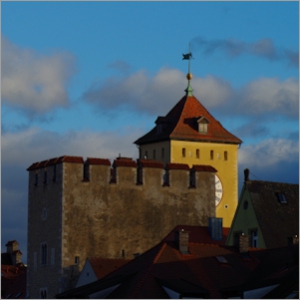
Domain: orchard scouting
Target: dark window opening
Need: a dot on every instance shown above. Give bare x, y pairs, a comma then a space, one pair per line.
45, 176
36, 179
44, 254
54, 173
225, 155
254, 238
281, 197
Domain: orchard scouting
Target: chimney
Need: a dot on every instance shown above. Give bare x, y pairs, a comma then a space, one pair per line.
215, 228
12, 246
246, 175
243, 243
183, 241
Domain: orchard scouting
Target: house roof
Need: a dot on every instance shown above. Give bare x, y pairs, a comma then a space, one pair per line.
181, 124
104, 266
277, 221
13, 281
208, 270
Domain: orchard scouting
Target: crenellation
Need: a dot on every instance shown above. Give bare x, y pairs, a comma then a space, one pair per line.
124, 170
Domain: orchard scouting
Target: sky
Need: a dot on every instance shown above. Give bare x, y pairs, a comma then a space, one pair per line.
89, 78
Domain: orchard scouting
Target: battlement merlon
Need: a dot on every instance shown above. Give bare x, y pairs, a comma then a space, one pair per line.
122, 171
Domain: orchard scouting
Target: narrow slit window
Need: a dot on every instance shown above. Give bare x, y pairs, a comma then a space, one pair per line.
211, 154
54, 173
225, 155
45, 176
183, 152
197, 153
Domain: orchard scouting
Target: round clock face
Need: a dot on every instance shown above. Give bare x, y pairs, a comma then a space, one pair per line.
218, 190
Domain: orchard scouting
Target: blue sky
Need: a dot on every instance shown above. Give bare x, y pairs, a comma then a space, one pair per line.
89, 78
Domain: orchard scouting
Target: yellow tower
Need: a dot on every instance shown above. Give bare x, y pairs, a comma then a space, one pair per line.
189, 134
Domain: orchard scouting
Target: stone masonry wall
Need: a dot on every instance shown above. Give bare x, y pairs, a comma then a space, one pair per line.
110, 211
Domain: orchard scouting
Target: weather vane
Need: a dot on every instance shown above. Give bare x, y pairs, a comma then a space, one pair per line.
189, 75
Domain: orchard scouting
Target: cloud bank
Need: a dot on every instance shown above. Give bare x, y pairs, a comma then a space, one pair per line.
157, 94
34, 82
263, 48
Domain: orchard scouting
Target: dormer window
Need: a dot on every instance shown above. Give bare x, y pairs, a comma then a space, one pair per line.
202, 125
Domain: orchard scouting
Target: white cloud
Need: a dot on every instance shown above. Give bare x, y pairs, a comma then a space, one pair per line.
270, 95
157, 94
32, 145
269, 153
34, 82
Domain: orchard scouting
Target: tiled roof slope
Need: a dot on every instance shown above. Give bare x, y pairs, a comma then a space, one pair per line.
104, 266
197, 274
181, 124
13, 281
277, 221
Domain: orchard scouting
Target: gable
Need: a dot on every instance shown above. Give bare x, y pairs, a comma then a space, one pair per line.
245, 219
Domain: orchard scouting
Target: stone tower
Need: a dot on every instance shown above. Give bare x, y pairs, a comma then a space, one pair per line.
78, 209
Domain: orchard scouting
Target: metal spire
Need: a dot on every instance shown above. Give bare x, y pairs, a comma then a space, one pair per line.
189, 76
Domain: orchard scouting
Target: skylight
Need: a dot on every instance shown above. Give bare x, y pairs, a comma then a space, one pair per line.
281, 197
222, 259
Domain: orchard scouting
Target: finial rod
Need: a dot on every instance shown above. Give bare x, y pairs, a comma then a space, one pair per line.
189, 76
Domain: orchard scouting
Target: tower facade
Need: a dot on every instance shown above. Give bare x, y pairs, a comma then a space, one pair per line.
189, 134
79, 209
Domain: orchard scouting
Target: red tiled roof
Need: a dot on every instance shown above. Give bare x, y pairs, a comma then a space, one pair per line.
33, 166
65, 158
199, 272
13, 281
104, 266
177, 166
124, 162
148, 163
181, 124
71, 159
203, 168
98, 161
